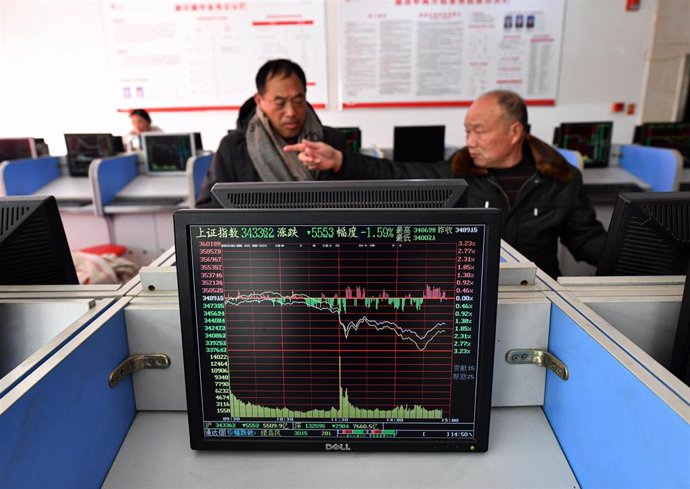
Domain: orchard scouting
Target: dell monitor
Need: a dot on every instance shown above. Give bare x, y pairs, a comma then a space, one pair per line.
419, 143
33, 245
17, 148
338, 329
82, 149
674, 135
167, 153
649, 234
591, 139
353, 138
360, 194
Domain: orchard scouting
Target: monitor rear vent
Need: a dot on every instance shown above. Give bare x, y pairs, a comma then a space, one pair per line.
673, 217
337, 199
643, 252
10, 216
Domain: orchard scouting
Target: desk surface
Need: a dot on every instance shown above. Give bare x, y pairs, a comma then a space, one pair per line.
144, 186
612, 174
70, 189
523, 452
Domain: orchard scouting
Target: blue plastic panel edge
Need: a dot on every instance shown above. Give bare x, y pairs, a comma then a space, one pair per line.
114, 174
26, 176
201, 166
615, 432
68, 428
656, 166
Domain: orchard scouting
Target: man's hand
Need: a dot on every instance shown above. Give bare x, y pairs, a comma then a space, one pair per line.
317, 155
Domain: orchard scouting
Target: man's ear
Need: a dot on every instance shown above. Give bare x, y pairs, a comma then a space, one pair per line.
517, 131
257, 98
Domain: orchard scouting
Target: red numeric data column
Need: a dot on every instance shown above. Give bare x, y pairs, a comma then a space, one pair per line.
212, 320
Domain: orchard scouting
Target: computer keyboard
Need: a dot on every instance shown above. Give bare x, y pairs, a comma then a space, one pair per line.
607, 193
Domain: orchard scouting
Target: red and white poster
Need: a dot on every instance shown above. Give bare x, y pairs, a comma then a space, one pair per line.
444, 53
195, 55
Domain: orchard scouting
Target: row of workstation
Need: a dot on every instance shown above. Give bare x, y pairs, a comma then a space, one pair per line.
115, 203
619, 420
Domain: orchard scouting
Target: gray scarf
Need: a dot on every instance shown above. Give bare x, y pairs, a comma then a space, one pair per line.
266, 149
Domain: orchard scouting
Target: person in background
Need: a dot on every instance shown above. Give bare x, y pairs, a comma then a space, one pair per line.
277, 115
540, 194
141, 123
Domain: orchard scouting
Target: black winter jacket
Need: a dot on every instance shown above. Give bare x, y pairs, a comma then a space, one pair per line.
231, 162
552, 204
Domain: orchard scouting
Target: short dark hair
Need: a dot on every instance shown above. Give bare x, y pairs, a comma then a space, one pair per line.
512, 104
141, 113
276, 67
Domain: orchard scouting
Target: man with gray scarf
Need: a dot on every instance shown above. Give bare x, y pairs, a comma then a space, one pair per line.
277, 115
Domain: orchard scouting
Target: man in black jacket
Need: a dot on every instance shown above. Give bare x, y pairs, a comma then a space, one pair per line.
278, 114
540, 194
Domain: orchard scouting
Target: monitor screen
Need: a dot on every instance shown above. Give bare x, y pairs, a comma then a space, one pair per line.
166, 153
680, 358
419, 143
17, 148
82, 149
388, 194
649, 234
33, 246
338, 330
591, 139
353, 138
675, 135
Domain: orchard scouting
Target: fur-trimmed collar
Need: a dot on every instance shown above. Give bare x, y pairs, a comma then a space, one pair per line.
549, 162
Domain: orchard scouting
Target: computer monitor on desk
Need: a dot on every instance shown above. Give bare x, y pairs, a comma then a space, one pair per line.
82, 149
17, 148
353, 138
675, 135
167, 153
419, 143
649, 234
33, 245
338, 330
591, 139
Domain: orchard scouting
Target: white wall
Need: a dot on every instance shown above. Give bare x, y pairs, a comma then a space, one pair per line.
54, 76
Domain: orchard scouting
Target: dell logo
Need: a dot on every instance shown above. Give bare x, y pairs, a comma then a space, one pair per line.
344, 447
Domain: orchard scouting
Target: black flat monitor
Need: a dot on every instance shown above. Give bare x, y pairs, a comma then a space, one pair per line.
674, 135
680, 358
419, 143
17, 148
649, 234
353, 138
33, 245
82, 149
360, 194
167, 153
591, 139
338, 330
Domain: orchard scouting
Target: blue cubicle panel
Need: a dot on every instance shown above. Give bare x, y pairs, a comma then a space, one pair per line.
618, 425
659, 167
199, 168
63, 425
572, 157
109, 176
26, 176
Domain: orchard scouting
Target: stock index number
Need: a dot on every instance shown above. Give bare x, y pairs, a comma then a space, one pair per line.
257, 233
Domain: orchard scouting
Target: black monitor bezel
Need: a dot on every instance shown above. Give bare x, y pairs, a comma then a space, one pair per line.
486, 342
560, 133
